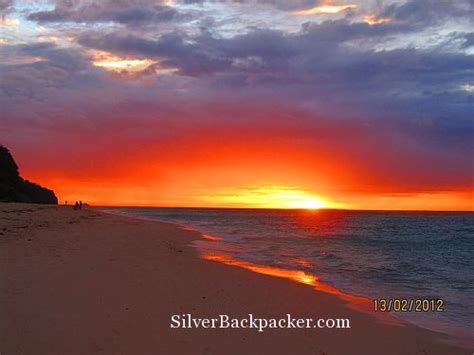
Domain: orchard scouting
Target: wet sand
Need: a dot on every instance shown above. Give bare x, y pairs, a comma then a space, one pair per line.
85, 282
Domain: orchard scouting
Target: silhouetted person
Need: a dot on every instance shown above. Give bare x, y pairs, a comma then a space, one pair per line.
80, 205
65, 203
76, 205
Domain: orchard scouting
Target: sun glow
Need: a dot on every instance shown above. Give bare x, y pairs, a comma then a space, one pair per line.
117, 64
374, 20
309, 203
114, 63
269, 197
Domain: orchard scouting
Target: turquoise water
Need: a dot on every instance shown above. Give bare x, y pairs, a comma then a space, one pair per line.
371, 254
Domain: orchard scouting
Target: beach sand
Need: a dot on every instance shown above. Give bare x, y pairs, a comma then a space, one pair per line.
84, 282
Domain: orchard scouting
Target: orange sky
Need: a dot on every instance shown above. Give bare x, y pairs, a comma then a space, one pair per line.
290, 104
267, 168
196, 194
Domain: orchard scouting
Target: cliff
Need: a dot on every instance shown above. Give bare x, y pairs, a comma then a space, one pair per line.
13, 188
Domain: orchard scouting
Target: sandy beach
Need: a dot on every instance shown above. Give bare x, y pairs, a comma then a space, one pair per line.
85, 282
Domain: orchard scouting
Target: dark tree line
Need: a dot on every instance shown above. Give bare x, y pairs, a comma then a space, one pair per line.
13, 188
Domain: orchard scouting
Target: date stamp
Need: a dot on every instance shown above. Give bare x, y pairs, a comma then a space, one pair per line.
409, 305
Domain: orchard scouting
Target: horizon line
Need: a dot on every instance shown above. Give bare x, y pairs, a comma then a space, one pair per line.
281, 209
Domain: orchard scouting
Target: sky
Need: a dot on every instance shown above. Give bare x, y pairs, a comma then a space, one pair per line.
251, 103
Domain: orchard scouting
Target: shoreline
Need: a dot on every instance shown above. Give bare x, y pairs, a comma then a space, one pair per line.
104, 283
357, 302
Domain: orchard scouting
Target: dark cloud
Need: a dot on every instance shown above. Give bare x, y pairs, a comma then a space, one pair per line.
282, 4
6, 6
421, 13
46, 66
316, 69
317, 54
68, 58
468, 40
279, 4
124, 12
174, 50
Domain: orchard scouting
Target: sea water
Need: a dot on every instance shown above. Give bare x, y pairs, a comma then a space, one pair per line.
390, 255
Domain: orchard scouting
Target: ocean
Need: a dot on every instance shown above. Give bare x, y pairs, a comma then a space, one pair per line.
389, 255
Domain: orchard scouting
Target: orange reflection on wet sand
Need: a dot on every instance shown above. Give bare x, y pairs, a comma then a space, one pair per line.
355, 302
295, 275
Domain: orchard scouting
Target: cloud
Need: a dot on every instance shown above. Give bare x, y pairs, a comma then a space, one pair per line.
468, 40
6, 6
326, 90
319, 53
41, 67
420, 13
325, 9
126, 12
283, 5
173, 49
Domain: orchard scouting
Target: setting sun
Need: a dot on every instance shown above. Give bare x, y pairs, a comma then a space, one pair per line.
269, 197
309, 203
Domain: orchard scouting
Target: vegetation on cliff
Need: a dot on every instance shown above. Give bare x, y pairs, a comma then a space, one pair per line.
13, 188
